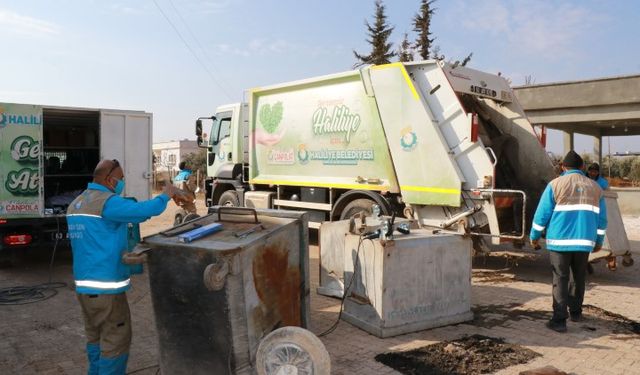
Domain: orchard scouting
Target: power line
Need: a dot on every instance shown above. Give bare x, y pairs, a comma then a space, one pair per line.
204, 66
193, 35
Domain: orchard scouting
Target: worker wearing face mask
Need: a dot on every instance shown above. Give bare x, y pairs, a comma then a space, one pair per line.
98, 221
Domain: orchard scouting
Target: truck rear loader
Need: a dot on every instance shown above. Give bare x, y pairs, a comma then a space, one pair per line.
443, 144
47, 157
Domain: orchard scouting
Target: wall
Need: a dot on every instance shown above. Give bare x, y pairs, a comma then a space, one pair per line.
628, 200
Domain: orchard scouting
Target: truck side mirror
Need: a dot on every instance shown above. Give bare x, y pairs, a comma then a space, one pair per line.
199, 128
199, 132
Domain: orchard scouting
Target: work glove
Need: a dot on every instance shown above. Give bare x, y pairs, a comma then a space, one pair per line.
596, 248
536, 244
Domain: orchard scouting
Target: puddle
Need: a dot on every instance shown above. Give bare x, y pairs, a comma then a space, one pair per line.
469, 355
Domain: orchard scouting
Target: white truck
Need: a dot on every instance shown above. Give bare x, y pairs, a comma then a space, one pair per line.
446, 145
47, 157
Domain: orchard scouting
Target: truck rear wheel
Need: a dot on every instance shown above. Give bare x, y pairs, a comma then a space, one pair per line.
357, 206
229, 198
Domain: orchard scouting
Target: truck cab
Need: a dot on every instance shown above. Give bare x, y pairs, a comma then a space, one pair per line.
227, 154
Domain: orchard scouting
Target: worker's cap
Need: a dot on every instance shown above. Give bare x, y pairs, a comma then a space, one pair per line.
594, 167
572, 160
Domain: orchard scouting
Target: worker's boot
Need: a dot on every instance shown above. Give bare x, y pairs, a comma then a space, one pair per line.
114, 365
93, 353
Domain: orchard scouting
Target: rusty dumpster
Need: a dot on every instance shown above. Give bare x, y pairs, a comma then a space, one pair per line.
215, 298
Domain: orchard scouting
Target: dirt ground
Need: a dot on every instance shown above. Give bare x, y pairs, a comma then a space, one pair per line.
470, 355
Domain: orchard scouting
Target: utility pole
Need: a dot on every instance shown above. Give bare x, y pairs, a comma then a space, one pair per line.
609, 147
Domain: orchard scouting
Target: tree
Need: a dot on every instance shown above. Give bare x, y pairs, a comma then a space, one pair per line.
379, 33
466, 60
529, 80
424, 41
634, 173
198, 162
625, 167
421, 25
405, 52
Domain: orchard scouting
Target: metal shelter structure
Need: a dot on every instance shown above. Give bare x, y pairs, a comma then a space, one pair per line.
600, 107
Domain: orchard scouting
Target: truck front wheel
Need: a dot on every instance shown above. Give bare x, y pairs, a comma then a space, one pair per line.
355, 207
229, 198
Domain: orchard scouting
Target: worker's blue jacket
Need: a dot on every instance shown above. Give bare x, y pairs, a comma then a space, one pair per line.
183, 175
604, 184
573, 212
97, 222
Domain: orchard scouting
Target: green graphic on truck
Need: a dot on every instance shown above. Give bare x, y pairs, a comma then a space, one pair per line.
270, 117
20, 152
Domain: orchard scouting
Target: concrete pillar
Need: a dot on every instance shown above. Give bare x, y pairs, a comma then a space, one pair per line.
568, 142
597, 149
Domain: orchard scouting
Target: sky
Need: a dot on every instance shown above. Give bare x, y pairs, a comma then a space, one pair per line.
180, 59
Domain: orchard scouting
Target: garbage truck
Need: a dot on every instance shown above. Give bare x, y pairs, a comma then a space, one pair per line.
47, 157
443, 144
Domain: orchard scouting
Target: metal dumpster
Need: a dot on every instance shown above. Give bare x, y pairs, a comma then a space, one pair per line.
215, 298
413, 282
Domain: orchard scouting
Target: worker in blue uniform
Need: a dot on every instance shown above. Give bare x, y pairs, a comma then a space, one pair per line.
574, 215
594, 173
97, 223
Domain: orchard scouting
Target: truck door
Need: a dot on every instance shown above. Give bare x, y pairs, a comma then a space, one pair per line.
21, 161
220, 154
126, 136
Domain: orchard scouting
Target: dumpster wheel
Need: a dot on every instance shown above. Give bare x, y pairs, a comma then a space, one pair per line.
292, 351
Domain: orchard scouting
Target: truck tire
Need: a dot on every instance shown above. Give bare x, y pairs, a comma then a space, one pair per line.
355, 207
292, 350
229, 198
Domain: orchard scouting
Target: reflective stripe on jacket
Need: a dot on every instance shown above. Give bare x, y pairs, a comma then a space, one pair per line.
97, 223
573, 212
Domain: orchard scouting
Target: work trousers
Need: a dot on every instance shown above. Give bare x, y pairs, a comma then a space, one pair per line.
107, 322
569, 272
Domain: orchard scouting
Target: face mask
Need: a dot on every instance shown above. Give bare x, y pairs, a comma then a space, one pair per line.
119, 187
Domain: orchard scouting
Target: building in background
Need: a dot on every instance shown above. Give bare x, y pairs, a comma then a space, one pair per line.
168, 155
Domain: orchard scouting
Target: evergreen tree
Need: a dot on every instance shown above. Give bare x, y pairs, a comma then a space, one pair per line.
405, 52
379, 33
421, 25
466, 59
424, 42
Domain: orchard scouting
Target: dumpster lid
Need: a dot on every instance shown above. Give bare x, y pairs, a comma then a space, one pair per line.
238, 231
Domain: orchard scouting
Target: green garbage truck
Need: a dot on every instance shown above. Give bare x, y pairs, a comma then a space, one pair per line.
443, 144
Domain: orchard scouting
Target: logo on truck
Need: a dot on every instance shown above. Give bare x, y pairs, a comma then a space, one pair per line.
303, 154
23, 182
25, 148
408, 139
339, 121
281, 156
13, 119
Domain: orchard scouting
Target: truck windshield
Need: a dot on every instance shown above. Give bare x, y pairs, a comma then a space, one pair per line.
220, 129
213, 136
